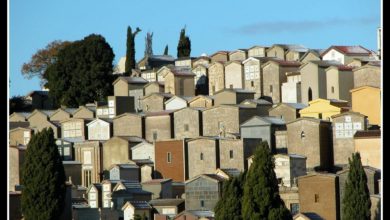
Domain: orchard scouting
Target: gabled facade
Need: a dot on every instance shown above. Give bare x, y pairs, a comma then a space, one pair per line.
216, 77
160, 188
129, 124
291, 90
274, 74
170, 160
344, 127
94, 193
238, 55
40, 119
201, 101
159, 125
155, 102
311, 55
188, 123
311, 137
257, 51
176, 102
132, 208
179, 82
367, 75
100, 129
206, 196
75, 129
345, 54
153, 87
203, 59
234, 75
287, 111
143, 151
232, 96
127, 172
368, 144
324, 109
85, 112
264, 128
62, 114
220, 56
20, 136
117, 150
313, 80
339, 82
19, 116
201, 78
130, 86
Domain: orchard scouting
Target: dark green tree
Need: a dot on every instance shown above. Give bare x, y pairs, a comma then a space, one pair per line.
261, 200
356, 201
138, 217
43, 178
18, 104
184, 45
166, 50
82, 72
130, 50
229, 206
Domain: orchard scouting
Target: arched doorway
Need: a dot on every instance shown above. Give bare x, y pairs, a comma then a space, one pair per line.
310, 94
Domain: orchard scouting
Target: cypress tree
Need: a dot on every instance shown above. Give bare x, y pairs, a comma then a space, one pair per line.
356, 201
130, 50
43, 175
166, 50
261, 198
184, 45
229, 206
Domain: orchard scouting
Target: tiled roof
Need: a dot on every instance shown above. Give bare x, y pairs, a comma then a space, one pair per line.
215, 176
132, 138
141, 162
326, 63
22, 124
48, 112
258, 101
201, 213
162, 58
287, 63
160, 113
231, 172
70, 110
274, 120
349, 50
136, 80
140, 204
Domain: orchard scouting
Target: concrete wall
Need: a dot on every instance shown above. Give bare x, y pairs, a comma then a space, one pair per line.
146, 173
143, 151
335, 55
253, 79
237, 55
228, 116
201, 103
284, 111
153, 88
162, 125
256, 52
367, 76
310, 57
367, 101
236, 146
203, 156
185, 85
153, 103
16, 160
20, 136
370, 151
281, 141
137, 91
174, 169
128, 125
234, 76
343, 143
189, 119
202, 189
216, 78
315, 145
291, 92
99, 131
121, 88
276, 51
73, 170
38, 123
314, 78
220, 57
115, 151
325, 187
341, 82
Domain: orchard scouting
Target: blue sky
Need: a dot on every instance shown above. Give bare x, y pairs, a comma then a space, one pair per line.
212, 25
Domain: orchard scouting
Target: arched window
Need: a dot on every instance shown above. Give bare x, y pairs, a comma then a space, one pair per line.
310, 94
201, 156
332, 89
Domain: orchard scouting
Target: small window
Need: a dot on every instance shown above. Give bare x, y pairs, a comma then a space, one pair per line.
231, 86
270, 88
186, 127
332, 89
252, 83
201, 203
169, 157
213, 89
231, 154
320, 115
302, 134
201, 156
154, 135
316, 198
